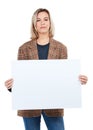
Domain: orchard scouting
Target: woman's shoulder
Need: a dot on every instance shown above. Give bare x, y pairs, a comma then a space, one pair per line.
26, 44
58, 43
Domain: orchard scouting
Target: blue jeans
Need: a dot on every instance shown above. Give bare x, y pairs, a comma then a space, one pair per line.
52, 123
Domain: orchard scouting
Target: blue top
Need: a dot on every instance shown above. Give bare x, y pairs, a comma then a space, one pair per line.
43, 51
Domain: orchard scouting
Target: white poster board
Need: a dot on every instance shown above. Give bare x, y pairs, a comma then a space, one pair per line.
46, 84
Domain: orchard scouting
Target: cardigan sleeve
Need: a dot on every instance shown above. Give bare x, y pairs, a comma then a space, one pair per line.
10, 90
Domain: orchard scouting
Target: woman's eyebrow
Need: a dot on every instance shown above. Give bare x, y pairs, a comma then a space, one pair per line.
44, 17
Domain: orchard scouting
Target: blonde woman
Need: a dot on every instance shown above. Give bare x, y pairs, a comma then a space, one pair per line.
42, 46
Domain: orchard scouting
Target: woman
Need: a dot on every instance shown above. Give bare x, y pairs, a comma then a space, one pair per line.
42, 46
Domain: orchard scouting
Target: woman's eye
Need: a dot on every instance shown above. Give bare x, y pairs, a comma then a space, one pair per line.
46, 19
38, 20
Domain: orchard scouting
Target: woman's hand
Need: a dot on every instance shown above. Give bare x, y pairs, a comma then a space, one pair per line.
9, 83
83, 79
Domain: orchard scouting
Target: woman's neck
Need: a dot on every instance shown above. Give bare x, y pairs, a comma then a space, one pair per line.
43, 40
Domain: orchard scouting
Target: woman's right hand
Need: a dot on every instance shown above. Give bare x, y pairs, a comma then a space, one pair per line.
9, 83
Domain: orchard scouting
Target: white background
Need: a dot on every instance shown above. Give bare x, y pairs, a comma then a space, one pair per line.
73, 26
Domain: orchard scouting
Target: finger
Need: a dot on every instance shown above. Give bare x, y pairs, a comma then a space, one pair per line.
9, 83
83, 81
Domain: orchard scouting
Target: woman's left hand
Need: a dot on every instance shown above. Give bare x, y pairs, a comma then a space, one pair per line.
83, 79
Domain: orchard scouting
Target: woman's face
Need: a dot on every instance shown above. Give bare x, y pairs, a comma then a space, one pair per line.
42, 23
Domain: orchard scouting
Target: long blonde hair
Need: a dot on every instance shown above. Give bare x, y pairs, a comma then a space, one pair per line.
34, 33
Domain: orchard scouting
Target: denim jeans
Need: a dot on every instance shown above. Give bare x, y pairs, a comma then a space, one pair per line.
52, 123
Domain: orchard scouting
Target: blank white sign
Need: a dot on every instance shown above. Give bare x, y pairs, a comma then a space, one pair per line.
46, 84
